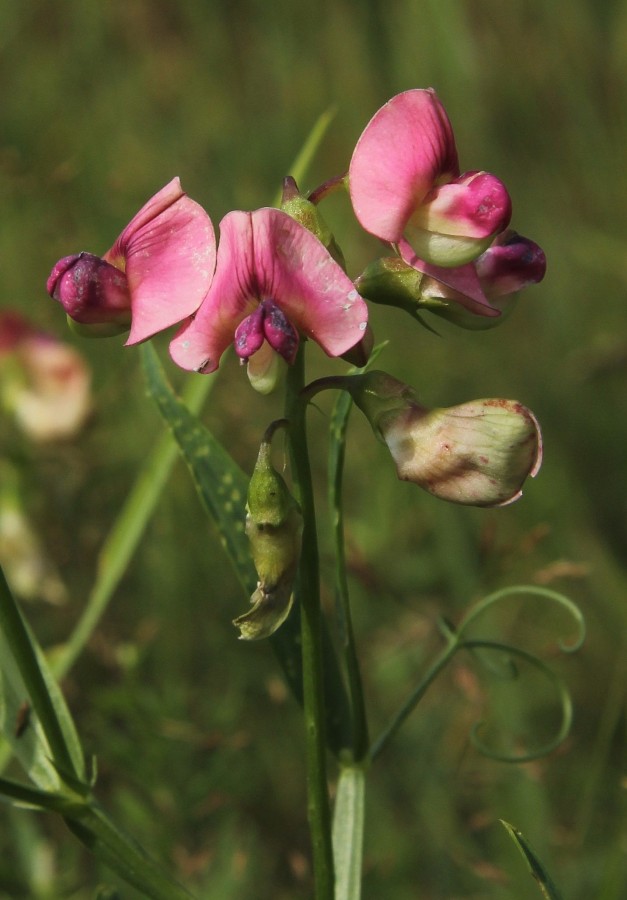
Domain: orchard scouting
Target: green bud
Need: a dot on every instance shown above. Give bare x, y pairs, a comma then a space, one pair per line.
308, 214
274, 527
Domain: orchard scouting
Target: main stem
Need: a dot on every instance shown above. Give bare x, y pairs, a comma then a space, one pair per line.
318, 809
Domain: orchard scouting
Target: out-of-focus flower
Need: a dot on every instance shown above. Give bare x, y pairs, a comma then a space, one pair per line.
406, 187
28, 568
274, 281
474, 296
274, 526
155, 275
44, 383
476, 454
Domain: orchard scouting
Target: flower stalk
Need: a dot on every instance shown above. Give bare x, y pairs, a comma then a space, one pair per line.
308, 589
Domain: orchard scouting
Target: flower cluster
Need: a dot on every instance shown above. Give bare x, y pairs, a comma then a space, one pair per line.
277, 276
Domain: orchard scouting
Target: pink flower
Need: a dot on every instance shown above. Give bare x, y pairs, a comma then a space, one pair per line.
405, 184
274, 281
154, 276
44, 383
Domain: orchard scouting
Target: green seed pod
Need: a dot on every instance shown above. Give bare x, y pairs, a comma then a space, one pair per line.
274, 526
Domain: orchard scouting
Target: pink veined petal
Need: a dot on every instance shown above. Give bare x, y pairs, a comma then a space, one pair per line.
476, 205
233, 295
407, 147
168, 251
462, 279
267, 255
294, 269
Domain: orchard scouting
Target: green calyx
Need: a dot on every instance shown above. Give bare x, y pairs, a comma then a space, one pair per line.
380, 397
392, 282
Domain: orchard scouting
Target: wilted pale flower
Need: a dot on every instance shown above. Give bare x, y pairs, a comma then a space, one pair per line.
44, 383
155, 275
477, 454
406, 187
274, 281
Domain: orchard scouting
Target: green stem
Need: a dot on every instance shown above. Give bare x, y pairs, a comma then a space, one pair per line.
318, 808
434, 670
337, 447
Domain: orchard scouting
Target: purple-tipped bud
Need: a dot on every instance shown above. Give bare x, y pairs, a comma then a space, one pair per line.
476, 454
91, 291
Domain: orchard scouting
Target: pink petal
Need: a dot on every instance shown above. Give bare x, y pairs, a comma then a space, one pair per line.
295, 270
475, 205
462, 279
233, 295
267, 255
168, 251
406, 148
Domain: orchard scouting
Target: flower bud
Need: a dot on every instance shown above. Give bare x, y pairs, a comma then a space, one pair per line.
92, 292
476, 454
274, 529
307, 213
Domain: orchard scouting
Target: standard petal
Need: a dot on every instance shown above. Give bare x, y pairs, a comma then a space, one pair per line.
169, 253
294, 269
406, 148
233, 295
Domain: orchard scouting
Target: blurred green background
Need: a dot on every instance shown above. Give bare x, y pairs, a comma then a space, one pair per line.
199, 747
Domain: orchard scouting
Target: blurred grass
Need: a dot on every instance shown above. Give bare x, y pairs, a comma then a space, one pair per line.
104, 103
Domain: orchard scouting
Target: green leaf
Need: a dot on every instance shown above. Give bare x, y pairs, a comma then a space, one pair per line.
348, 830
535, 866
306, 154
221, 484
34, 798
33, 715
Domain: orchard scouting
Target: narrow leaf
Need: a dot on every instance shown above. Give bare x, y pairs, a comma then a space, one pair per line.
535, 866
348, 830
29, 693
